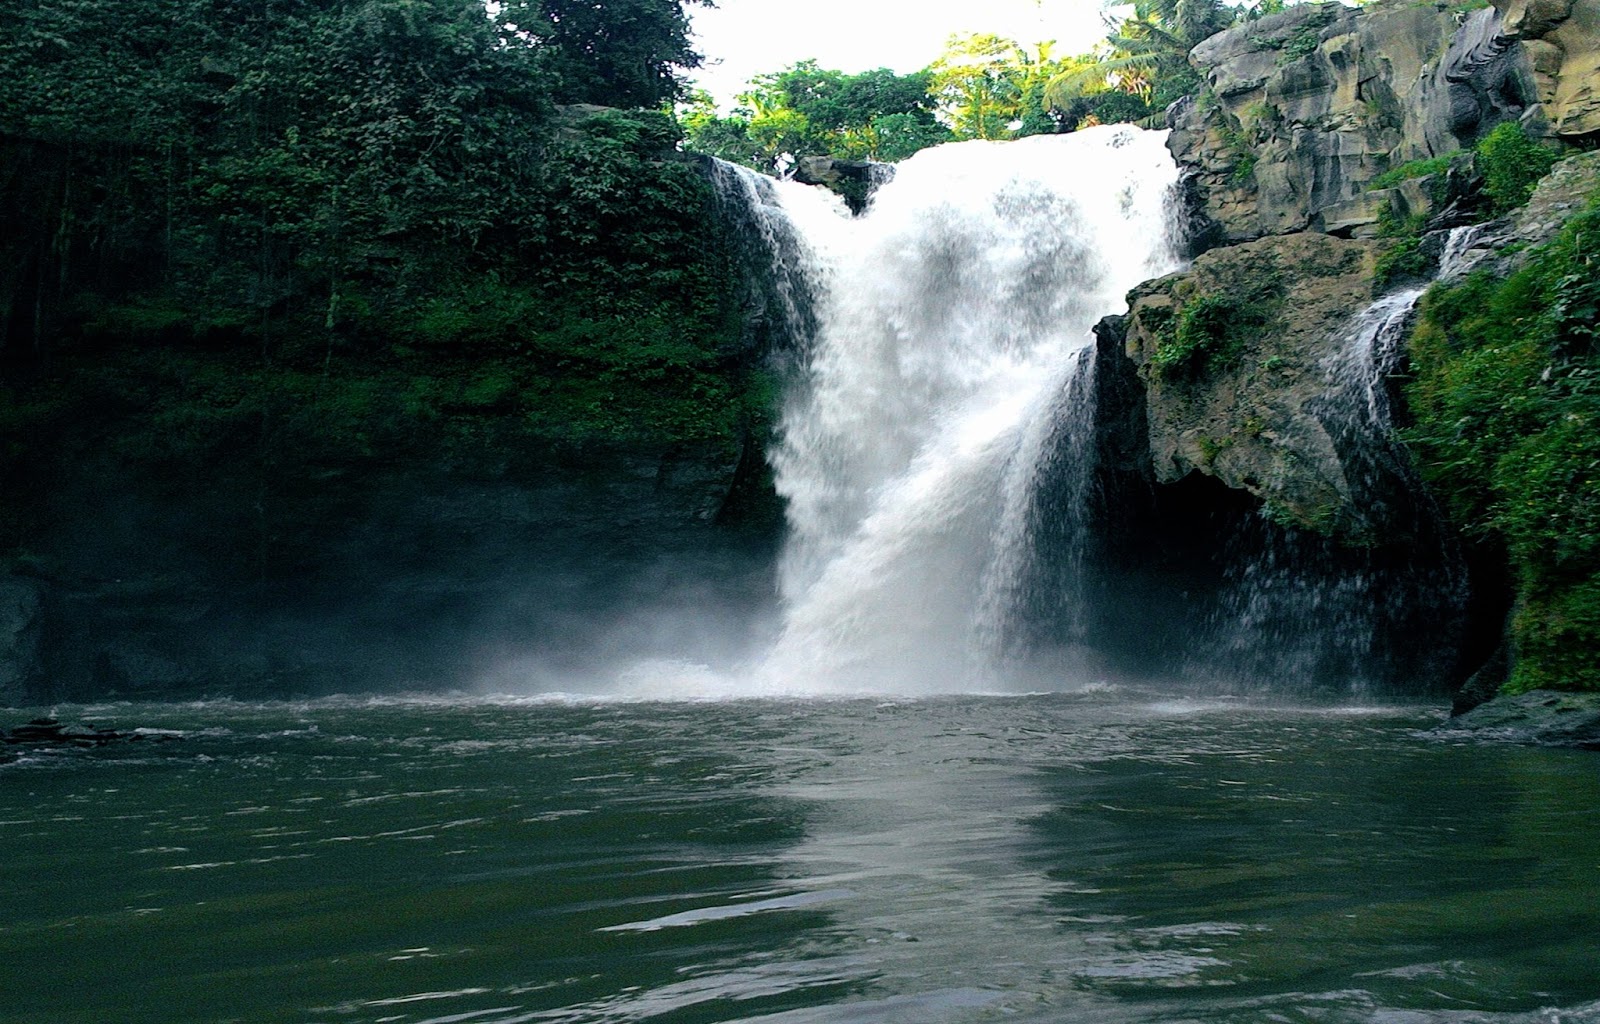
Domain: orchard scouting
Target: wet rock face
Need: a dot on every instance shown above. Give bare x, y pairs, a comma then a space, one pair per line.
1304, 109
423, 575
1538, 717
19, 637
1247, 407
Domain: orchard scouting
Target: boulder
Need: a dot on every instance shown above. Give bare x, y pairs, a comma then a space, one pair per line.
1539, 717
51, 734
829, 172
1255, 412
853, 180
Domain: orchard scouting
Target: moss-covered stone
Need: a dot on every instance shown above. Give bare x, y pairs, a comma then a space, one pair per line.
1234, 354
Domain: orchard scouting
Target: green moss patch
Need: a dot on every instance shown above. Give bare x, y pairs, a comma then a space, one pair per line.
1506, 394
1211, 330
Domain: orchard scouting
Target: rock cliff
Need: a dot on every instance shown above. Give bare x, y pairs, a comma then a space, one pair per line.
1305, 109
1327, 141
176, 521
1271, 314
1302, 113
418, 574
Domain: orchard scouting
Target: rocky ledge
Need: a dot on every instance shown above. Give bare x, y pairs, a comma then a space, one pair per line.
48, 734
1239, 356
1538, 717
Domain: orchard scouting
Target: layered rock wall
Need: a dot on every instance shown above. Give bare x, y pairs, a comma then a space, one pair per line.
1249, 416
1234, 365
1305, 109
1302, 112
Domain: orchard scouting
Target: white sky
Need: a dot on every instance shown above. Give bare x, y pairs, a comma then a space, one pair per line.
742, 38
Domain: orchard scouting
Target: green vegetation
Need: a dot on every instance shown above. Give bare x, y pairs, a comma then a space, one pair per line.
1303, 43
982, 86
1413, 169
622, 53
1241, 136
1147, 54
1211, 330
1506, 394
1403, 259
806, 110
1511, 164
1211, 447
287, 243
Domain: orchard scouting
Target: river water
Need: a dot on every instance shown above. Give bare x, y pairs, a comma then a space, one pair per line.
1110, 855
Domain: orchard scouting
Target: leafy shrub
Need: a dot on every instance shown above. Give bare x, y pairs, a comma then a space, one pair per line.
1506, 395
1511, 164
1401, 261
1210, 330
1413, 169
1302, 44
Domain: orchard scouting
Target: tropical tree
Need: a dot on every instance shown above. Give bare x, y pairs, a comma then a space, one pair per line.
1145, 55
991, 87
976, 85
808, 110
620, 53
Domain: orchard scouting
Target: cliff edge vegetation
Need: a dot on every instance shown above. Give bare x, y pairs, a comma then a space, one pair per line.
1505, 388
291, 291
1400, 123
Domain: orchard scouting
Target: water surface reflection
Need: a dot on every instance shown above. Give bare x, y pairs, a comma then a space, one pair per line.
1106, 857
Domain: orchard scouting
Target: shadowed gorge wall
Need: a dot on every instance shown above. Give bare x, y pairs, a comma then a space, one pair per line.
320, 323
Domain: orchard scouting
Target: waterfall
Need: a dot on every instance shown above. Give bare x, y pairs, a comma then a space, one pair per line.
937, 447
781, 236
943, 383
1302, 612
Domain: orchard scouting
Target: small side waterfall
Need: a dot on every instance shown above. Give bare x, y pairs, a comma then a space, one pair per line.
942, 385
780, 234
1299, 610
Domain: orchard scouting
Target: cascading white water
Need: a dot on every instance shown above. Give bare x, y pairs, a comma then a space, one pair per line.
1288, 619
1285, 617
951, 323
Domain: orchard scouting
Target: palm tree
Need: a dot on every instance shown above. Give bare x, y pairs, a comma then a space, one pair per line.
1146, 54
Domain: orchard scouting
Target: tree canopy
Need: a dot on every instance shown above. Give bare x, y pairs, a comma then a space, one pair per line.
806, 110
1145, 56
310, 186
982, 86
620, 53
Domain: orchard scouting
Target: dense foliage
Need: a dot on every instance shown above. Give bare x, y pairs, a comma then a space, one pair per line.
279, 240
622, 53
1507, 398
1146, 58
1511, 164
1210, 330
982, 86
806, 110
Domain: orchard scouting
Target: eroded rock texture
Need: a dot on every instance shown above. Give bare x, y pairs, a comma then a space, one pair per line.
1306, 108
